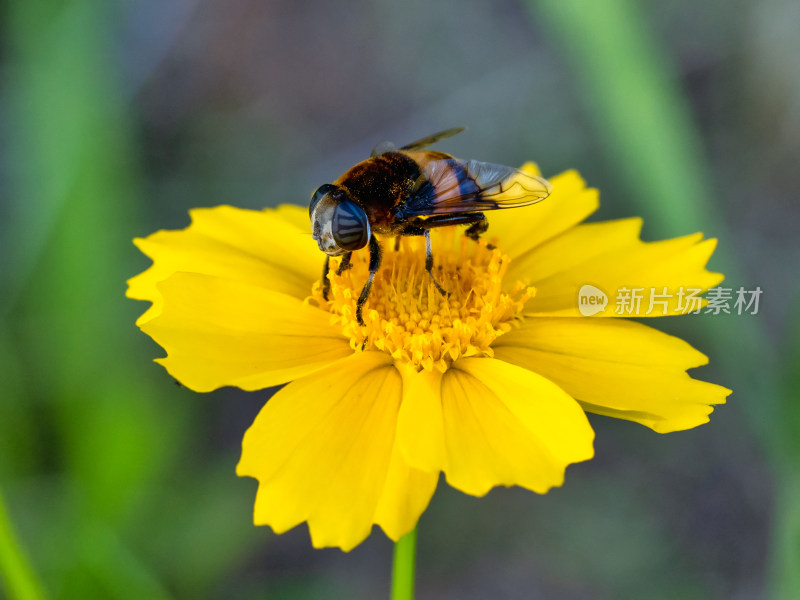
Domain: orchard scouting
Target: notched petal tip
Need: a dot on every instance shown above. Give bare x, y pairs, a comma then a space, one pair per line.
219, 332
610, 257
324, 452
242, 245
494, 424
617, 368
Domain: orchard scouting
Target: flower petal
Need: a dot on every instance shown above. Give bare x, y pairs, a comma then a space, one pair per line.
574, 248
323, 452
405, 495
520, 229
487, 423
611, 257
296, 215
221, 332
617, 368
243, 245
420, 424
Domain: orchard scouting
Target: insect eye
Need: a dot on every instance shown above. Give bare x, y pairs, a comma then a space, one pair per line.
350, 226
321, 192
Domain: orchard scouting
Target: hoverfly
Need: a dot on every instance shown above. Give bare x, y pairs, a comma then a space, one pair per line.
409, 191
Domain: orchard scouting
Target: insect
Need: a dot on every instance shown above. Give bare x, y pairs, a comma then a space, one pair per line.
409, 191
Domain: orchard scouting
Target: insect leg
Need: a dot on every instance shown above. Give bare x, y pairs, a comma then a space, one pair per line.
477, 222
477, 229
429, 262
480, 226
345, 264
374, 264
416, 226
326, 284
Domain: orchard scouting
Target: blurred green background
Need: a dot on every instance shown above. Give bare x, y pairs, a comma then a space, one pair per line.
117, 117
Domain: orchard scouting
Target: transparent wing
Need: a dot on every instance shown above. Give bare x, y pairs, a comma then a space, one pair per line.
452, 185
432, 139
384, 147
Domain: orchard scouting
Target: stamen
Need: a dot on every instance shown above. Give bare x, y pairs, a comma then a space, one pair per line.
408, 318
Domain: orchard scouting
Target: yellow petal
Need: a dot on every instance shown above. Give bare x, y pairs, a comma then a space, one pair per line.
573, 248
421, 422
617, 368
323, 452
517, 230
258, 247
221, 332
487, 423
610, 256
296, 215
405, 495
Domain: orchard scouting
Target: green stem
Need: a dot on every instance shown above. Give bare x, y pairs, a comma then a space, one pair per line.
405, 550
20, 582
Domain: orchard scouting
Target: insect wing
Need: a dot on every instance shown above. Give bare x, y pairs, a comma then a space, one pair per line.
382, 148
451, 185
432, 139
385, 147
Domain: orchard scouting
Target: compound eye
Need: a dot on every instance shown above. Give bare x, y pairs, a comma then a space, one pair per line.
350, 226
321, 192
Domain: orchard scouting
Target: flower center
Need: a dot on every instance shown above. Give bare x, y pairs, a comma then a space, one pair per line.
409, 318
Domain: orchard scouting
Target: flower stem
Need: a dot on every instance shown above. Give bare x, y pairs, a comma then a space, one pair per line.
405, 550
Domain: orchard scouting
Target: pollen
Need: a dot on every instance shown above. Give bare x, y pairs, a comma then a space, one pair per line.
407, 317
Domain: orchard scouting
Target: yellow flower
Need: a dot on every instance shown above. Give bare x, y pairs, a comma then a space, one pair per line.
488, 384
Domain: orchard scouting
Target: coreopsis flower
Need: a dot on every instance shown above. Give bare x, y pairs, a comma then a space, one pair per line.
488, 384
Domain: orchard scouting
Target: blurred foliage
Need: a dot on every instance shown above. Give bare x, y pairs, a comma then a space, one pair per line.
121, 116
